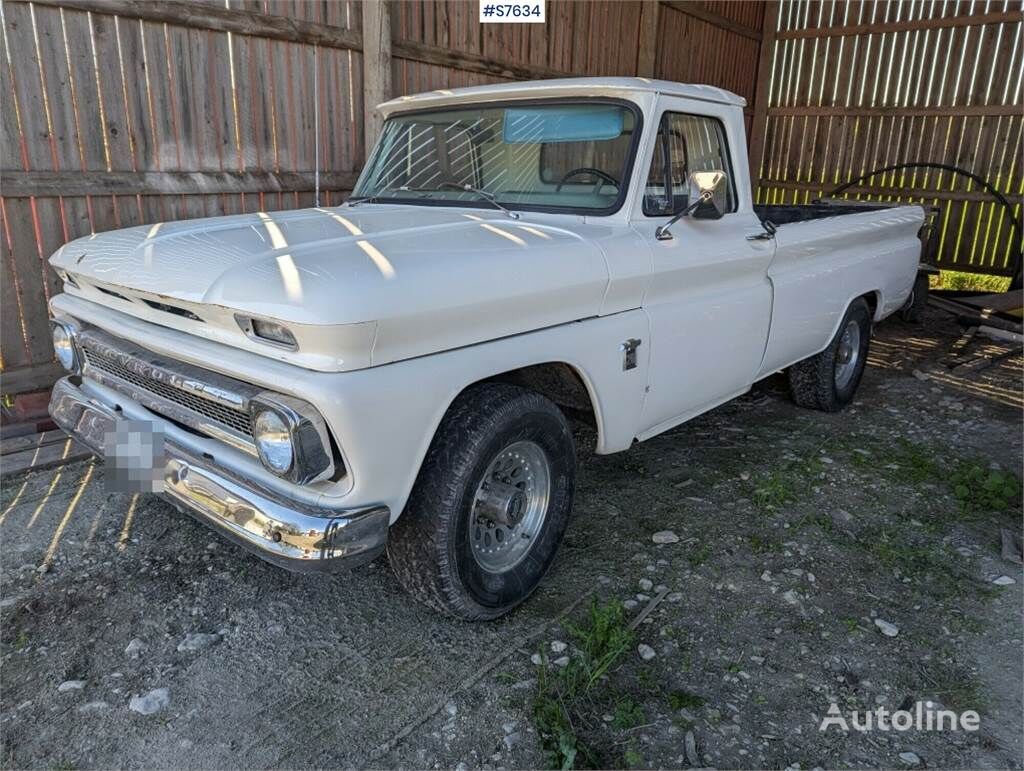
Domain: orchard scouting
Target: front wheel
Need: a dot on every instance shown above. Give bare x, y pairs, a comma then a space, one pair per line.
490, 504
828, 380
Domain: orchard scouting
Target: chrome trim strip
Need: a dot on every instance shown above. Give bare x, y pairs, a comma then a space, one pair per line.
285, 532
203, 383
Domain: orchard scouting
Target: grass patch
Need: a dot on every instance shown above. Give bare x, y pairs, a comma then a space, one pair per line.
773, 491
699, 556
969, 282
570, 699
980, 489
950, 683
678, 700
928, 564
628, 714
632, 758
785, 484
905, 461
764, 544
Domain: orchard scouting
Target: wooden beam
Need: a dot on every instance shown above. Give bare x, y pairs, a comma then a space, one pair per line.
764, 77
210, 17
207, 17
909, 25
24, 184
470, 62
647, 44
703, 14
376, 67
35, 377
900, 192
964, 110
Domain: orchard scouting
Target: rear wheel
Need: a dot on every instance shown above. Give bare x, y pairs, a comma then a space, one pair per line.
490, 505
828, 380
914, 307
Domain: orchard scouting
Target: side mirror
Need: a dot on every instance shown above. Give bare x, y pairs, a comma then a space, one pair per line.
709, 189
708, 195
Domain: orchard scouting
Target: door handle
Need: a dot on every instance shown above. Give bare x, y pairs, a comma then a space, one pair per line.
762, 236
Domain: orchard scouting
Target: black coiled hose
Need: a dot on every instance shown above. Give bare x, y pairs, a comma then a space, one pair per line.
1016, 281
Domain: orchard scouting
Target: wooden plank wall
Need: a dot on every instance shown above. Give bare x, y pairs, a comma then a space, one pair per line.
857, 85
127, 112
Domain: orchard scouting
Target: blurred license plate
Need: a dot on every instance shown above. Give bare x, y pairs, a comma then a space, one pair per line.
135, 459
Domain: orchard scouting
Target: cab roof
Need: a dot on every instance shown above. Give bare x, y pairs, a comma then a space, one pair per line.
561, 87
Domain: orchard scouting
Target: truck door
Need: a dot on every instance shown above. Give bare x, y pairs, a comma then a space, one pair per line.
709, 300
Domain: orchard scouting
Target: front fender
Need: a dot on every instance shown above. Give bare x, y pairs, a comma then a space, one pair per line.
385, 417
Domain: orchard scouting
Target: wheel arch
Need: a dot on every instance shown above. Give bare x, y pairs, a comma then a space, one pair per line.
565, 384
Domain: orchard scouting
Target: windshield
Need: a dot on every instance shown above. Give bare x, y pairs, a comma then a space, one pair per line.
549, 156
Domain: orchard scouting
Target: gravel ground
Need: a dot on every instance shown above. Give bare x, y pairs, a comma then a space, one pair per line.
800, 540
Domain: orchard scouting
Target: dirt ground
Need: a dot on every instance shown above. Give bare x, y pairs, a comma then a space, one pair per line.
798, 531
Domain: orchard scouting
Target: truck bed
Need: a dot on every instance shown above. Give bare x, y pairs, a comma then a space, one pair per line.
785, 214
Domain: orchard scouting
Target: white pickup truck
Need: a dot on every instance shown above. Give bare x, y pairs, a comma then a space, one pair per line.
396, 372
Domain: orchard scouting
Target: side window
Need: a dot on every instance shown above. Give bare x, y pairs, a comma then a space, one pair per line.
684, 143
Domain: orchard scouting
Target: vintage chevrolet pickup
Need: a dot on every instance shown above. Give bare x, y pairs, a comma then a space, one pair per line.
398, 372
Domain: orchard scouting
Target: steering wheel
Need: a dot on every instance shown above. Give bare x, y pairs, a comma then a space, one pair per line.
602, 177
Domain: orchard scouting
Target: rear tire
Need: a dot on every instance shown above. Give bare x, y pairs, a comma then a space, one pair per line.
829, 380
912, 311
490, 504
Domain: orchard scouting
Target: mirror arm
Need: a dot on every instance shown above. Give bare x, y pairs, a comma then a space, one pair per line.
662, 233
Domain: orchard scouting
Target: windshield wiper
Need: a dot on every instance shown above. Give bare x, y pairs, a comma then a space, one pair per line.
380, 194
375, 197
483, 194
489, 197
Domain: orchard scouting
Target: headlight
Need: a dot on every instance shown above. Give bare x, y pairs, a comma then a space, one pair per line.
64, 346
273, 441
291, 438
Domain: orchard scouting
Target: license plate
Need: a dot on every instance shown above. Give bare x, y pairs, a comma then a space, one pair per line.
135, 458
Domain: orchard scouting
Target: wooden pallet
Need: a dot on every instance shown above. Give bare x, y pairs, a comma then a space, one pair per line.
39, 451
1005, 302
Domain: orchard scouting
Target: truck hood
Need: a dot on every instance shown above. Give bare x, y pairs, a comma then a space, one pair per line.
425, 278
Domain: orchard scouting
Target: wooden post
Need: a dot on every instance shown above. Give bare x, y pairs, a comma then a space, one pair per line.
647, 47
764, 78
376, 66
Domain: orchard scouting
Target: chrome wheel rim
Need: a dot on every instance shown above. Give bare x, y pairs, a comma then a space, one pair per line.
848, 355
510, 506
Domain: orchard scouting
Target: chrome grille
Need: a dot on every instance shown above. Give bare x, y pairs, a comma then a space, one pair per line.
195, 397
234, 419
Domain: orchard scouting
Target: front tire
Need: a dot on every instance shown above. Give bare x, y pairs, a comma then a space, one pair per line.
828, 380
490, 504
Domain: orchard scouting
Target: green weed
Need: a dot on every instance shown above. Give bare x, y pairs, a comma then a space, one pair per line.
631, 758
783, 485
565, 695
950, 683
980, 489
699, 556
773, 491
628, 714
761, 544
678, 700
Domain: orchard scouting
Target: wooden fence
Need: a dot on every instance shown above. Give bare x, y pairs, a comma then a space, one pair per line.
856, 85
125, 112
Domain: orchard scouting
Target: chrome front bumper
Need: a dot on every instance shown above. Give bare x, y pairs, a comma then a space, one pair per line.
287, 533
